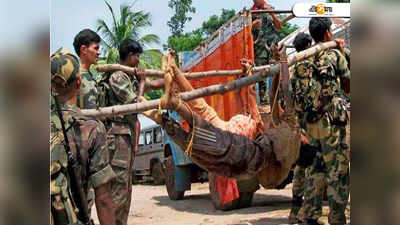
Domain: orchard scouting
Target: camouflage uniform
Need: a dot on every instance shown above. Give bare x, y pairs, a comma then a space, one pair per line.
87, 143
87, 98
263, 38
326, 121
121, 138
297, 191
88, 94
302, 80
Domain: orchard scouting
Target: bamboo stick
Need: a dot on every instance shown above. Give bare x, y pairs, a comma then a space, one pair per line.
268, 70
160, 74
271, 11
197, 75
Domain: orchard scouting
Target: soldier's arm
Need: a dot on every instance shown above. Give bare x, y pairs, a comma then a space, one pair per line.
338, 62
100, 171
122, 87
344, 73
155, 84
277, 22
142, 84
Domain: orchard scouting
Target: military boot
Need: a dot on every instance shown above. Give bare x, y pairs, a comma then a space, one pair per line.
313, 222
296, 205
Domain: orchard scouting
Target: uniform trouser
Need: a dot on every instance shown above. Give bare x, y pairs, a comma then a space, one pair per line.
121, 162
331, 163
298, 187
220, 151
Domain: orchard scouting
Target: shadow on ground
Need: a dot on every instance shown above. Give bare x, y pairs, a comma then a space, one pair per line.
264, 221
201, 204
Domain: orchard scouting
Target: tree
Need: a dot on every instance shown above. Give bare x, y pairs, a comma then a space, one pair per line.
190, 40
214, 22
179, 19
129, 25
185, 42
287, 28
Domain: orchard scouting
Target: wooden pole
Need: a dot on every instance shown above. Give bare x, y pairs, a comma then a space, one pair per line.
271, 11
193, 75
268, 70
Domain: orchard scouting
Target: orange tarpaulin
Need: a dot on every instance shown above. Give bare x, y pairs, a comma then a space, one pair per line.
226, 57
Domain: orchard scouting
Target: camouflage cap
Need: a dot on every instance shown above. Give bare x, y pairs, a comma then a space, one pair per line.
64, 65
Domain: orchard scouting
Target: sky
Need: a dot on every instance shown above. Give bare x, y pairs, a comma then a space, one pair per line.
68, 17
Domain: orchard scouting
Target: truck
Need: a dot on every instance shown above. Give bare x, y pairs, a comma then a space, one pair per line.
223, 51
156, 149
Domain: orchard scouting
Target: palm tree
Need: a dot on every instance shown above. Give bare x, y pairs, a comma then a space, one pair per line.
129, 25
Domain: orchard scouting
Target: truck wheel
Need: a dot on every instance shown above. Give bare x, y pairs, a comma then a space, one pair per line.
215, 196
135, 178
247, 188
245, 199
173, 193
157, 174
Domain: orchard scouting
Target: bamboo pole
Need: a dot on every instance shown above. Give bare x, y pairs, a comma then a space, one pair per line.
271, 11
188, 75
160, 74
269, 70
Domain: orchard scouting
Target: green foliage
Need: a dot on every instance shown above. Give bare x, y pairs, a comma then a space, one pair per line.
190, 40
214, 22
181, 8
185, 42
129, 25
287, 28
150, 59
154, 94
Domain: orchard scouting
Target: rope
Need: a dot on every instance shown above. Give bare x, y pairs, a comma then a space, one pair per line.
248, 73
189, 148
167, 71
275, 99
168, 83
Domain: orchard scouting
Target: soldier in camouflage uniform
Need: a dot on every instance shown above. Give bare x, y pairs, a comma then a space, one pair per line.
86, 138
123, 131
86, 44
326, 119
266, 29
301, 81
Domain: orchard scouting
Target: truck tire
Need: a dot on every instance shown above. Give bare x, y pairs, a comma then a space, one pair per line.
245, 198
173, 193
215, 196
157, 174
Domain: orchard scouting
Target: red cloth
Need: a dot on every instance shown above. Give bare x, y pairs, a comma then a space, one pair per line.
265, 6
303, 139
226, 188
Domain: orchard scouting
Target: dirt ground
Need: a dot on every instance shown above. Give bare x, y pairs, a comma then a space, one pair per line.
151, 205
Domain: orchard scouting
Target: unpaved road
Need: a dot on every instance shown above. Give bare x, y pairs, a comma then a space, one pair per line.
151, 206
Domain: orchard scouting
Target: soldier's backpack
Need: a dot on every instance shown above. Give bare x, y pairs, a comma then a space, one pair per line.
338, 106
63, 209
304, 87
